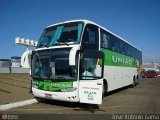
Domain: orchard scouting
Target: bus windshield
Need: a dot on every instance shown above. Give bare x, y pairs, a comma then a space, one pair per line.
53, 65
63, 34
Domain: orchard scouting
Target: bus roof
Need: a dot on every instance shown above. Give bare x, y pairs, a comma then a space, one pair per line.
90, 22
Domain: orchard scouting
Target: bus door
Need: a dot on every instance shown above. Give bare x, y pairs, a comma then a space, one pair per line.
91, 77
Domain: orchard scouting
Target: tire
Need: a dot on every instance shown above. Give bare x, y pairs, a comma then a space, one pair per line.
134, 83
104, 92
137, 80
40, 100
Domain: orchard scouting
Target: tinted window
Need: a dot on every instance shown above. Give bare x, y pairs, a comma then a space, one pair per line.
114, 43
53, 65
68, 33
109, 41
105, 40
90, 37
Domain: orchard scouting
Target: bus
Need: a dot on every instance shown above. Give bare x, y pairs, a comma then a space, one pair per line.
80, 61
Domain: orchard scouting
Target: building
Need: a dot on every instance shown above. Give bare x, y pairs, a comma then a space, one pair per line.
12, 66
5, 63
151, 66
16, 61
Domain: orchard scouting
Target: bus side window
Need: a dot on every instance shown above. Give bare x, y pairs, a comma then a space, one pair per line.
105, 40
92, 65
88, 68
121, 46
113, 44
90, 37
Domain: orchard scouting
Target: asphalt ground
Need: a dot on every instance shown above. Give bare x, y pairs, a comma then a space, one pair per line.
140, 102
14, 87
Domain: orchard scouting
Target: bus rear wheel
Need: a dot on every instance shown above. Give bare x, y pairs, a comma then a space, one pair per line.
134, 83
137, 79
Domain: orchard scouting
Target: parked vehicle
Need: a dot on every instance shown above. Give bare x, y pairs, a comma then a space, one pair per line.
149, 74
79, 61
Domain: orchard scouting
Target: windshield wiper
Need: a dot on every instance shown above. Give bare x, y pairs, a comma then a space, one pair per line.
64, 43
60, 78
43, 46
61, 43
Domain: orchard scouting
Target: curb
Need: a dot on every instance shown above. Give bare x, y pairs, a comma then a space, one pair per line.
17, 104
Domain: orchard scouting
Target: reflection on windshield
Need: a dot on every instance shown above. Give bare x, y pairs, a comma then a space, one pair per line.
53, 65
64, 34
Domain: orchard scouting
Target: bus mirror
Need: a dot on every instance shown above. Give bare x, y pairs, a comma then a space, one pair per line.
72, 56
26, 59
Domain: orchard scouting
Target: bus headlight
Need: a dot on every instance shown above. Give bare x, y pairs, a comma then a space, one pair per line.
69, 89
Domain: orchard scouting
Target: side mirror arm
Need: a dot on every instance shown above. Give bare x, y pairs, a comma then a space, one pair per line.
72, 55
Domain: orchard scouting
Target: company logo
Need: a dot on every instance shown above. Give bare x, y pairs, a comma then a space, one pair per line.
4, 116
61, 85
122, 60
9, 117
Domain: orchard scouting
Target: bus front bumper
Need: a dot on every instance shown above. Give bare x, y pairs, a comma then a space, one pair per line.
61, 96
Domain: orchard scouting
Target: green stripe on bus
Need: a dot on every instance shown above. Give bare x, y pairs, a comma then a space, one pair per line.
117, 59
51, 86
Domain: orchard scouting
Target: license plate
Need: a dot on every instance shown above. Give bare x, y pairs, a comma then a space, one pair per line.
48, 96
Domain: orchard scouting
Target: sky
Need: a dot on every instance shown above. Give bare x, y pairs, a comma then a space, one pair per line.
137, 21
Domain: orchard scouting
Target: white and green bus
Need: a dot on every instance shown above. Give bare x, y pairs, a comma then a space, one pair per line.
80, 61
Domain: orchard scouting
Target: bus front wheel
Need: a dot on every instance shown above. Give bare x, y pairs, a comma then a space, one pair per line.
104, 92
40, 100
